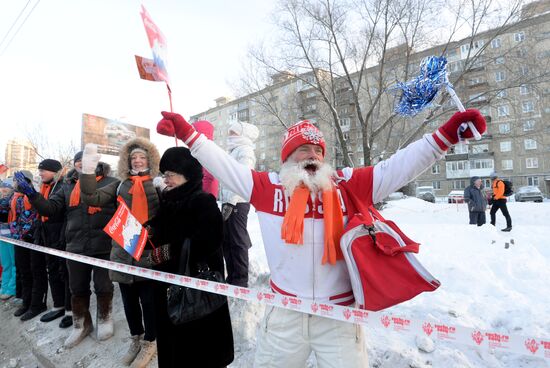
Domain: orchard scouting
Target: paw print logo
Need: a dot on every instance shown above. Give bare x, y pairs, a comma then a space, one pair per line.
427, 327
285, 301
477, 337
531, 345
260, 296
347, 313
314, 307
385, 321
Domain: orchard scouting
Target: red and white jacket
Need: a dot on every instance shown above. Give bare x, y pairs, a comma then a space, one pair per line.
296, 270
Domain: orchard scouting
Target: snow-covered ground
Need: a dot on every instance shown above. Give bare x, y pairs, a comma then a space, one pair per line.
484, 285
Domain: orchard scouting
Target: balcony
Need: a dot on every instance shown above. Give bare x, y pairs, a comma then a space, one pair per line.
456, 157
457, 174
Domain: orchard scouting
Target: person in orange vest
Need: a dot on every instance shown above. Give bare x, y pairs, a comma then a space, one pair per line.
499, 202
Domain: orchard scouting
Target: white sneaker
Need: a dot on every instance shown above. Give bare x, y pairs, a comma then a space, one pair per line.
148, 349
133, 350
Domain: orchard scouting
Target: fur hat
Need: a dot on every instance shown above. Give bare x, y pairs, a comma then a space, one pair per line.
301, 133
50, 165
138, 144
179, 160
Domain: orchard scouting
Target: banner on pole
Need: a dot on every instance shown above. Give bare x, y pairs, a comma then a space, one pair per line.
126, 231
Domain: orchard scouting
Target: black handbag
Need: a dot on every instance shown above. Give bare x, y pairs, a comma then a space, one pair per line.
187, 304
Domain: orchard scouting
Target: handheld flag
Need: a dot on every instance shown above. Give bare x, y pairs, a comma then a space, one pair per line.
419, 93
157, 42
126, 231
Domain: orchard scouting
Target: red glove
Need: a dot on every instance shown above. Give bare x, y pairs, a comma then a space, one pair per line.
447, 134
175, 125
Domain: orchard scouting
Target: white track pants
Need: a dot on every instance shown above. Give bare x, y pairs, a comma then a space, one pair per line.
286, 339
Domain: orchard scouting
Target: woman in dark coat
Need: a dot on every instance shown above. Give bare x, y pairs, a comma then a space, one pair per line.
186, 212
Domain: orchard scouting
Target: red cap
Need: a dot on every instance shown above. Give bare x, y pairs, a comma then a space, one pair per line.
301, 133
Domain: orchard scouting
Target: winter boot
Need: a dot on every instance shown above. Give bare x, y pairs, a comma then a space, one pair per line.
148, 349
133, 350
105, 325
508, 228
82, 320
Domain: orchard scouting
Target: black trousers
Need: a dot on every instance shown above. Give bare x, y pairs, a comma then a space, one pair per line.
477, 218
236, 243
139, 307
80, 276
31, 266
500, 204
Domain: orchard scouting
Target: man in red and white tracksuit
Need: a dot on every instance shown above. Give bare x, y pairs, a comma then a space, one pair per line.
302, 211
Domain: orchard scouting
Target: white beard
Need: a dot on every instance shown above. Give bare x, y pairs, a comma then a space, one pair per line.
294, 174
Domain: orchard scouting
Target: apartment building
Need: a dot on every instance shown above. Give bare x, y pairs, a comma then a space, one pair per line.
501, 72
20, 156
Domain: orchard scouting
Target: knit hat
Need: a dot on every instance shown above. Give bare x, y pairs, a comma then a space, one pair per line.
179, 160
50, 165
301, 133
78, 157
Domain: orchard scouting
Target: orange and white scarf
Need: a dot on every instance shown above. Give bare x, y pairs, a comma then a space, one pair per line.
293, 224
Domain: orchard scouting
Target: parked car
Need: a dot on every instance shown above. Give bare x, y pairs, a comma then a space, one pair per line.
456, 196
529, 193
426, 193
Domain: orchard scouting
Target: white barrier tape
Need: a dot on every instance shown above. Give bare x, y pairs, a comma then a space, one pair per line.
483, 340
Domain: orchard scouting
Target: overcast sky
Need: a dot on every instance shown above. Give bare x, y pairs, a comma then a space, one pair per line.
74, 57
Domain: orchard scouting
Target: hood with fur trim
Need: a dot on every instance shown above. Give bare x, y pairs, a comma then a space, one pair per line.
153, 157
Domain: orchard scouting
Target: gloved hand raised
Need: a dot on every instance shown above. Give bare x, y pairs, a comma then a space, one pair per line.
175, 125
90, 158
22, 185
448, 133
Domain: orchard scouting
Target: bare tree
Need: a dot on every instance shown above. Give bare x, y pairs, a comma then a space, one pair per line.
45, 146
350, 52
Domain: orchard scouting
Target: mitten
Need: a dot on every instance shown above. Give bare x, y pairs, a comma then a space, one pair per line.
175, 125
448, 134
22, 185
90, 158
160, 254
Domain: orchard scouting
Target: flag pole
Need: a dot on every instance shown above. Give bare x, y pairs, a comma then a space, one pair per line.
171, 108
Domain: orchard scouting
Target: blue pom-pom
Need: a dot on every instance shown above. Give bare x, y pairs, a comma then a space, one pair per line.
419, 93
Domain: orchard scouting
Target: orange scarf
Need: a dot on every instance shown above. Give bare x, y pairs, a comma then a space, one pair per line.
12, 215
139, 208
45, 191
74, 199
293, 223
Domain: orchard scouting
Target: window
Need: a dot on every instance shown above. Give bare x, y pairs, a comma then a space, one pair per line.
482, 164
506, 146
495, 43
361, 161
504, 128
527, 106
533, 180
500, 76
524, 70
532, 162
436, 184
528, 125
461, 148
476, 80
524, 89
459, 184
502, 93
457, 165
503, 110
480, 148
499, 60
344, 122
480, 97
486, 183
262, 156
435, 169
507, 164
346, 136
530, 144
518, 37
